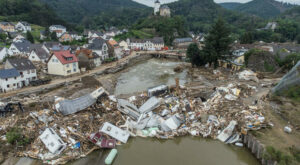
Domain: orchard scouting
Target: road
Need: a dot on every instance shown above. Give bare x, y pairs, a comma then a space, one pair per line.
68, 79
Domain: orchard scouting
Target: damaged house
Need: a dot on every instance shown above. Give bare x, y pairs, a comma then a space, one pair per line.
52, 141
88, 59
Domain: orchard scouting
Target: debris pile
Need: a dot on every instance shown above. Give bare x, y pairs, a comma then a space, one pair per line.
74, 128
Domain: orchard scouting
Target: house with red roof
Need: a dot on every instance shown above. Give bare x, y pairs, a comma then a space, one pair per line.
63, 63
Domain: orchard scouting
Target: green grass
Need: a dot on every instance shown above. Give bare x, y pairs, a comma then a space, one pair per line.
35, 31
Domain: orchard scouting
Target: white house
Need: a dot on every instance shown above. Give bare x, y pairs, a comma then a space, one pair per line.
39, 55
100, 47
19, 38
123, 44
23, 26
156, 43
25, 68
52, 141
58, 29
10, 79
20, 47
63, 63
3, 53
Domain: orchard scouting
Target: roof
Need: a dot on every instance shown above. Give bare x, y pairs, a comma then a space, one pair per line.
65, 56
49, 45
8, 73
157, 1
164, 7
97, 44
23, 46
25, 23
72, 106
58, 26
113, 42
181, 40
7, 23
41, 53
155, 40
88, 53
21, 63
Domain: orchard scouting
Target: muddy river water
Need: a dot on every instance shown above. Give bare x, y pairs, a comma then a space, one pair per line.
178, 151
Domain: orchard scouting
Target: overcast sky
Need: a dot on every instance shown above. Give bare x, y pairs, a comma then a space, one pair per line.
151, 2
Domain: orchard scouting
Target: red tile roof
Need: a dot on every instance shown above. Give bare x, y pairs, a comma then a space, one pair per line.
63, 56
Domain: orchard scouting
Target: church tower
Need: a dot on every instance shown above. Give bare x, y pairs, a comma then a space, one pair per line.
156, 7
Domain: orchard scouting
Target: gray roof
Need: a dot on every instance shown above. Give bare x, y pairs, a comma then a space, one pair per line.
58, 26
97, 44
49, 45
8, 73
155, 40
23, 46
41, 53
21, 63
164, 7
25, 23
181, 40
72, 106
6, 23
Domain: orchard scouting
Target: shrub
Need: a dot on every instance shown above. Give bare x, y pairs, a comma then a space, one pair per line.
14, 136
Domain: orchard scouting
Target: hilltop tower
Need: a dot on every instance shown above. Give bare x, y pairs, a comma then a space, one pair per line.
156, 7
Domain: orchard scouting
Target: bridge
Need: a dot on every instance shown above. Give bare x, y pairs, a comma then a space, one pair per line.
180, 54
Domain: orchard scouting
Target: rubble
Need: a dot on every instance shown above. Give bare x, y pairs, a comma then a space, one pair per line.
248, 75
99, 120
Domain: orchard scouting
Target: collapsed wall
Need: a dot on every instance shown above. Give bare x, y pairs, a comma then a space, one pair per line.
292, 78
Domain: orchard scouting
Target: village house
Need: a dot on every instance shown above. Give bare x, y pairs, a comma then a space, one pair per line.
75, 36
23, 26
43, 35
3, 53
7, 26
63, 63
10, 79
94, 34
156, 43
20, 48
48, 46
100, 47
19, 38
182, 42
25, 67
58, 29
123, 44
165, 11
87, 59
38, 54
65, 37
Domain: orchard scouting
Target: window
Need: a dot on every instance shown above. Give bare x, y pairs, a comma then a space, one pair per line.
74, 65
6, 79
68, 65
69, 71
14, 84
15, 78
74, 70
32, 71
28, 72
7, 86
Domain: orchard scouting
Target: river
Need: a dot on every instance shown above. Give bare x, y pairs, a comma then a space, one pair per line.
178, 151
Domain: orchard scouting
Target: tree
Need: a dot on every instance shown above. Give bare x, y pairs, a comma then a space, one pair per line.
298, 39
3, 37
53, 36
217, 43
29, 37
247, 38
195, 56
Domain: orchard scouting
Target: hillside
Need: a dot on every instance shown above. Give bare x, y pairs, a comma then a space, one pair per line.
200, 14
293, 14
75, 11
32, 11
230, 5
264, 8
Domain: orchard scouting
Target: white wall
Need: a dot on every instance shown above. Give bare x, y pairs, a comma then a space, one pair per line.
14, 83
